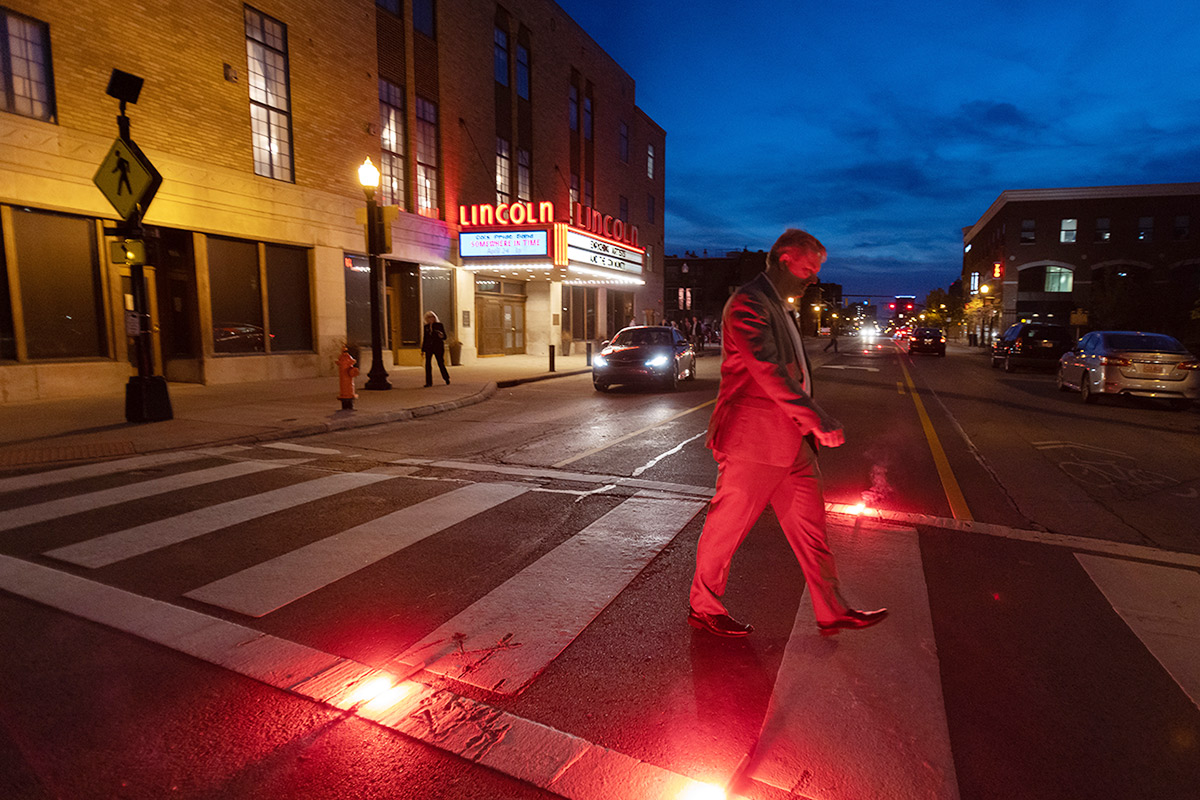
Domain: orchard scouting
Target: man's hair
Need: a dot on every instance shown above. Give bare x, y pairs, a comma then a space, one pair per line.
794, 239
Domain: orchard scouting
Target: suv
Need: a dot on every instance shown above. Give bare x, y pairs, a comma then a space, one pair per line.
1031, 344
928, 340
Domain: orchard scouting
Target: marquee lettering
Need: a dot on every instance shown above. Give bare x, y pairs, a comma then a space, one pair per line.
592, 221
525, 213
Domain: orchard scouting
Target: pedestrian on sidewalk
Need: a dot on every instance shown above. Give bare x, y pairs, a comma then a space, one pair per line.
764, 433
433, 345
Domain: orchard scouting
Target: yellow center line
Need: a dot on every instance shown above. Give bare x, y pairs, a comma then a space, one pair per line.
954, 495
638, 432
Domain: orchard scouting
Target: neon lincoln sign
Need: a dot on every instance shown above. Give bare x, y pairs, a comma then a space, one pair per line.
506, 214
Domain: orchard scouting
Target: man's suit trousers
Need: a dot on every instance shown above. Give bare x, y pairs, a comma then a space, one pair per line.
744, 488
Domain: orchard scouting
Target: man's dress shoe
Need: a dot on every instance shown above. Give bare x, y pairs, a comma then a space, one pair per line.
718, 624
853, 620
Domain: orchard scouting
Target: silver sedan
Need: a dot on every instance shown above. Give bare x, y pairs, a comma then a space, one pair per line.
1131, 363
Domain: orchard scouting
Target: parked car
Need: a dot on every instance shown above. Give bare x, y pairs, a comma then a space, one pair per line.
1031, 344
645, 354
927, 340
1131, 363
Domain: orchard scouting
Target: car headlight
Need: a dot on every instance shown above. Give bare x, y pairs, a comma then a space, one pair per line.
658, 361
599, 361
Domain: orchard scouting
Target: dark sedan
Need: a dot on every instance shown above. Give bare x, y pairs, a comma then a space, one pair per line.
928, 340
644, 354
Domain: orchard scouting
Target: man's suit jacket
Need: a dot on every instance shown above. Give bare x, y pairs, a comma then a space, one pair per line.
434, 340
764, 407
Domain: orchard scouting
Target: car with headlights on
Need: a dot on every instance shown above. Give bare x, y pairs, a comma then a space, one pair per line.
644, 354
1031, 344
1131, 363
927, 340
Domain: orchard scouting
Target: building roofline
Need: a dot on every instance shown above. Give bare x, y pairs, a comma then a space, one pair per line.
1078, 193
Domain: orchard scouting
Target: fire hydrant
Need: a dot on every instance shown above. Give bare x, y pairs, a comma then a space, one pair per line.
346, 374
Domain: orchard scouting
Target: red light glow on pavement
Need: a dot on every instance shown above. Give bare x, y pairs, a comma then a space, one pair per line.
702, 791
379, 693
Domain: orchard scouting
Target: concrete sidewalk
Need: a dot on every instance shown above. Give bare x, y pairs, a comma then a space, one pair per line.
58, 431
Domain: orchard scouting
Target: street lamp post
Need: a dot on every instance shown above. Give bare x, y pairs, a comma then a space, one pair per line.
377, 378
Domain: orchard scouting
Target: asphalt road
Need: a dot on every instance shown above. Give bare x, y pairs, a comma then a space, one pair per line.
186, 629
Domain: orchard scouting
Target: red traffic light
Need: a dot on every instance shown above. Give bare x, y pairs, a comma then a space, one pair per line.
891, 305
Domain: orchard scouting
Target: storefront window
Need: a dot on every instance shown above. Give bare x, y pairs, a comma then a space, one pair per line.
236, 296
60, 286
8, 340
357, 272
288, 302
436, 283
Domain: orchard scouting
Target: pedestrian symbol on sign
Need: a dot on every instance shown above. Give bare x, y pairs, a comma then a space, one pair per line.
122, 167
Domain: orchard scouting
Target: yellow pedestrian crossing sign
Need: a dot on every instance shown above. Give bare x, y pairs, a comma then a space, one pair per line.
127, 178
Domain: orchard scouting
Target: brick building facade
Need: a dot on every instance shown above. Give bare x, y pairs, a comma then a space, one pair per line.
1105, 257
257, 116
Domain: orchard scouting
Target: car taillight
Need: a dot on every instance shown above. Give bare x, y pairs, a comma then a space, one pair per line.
1188, 365
1116, 361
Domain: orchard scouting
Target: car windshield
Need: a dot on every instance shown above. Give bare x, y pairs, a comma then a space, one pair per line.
1143, 342
636, 337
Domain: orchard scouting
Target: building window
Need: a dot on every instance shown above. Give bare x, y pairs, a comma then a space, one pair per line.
500, 38
427, 158
1058, 279
289, 303
1067, 230
423, 15
270, 106
623, 143
574, 187
650, 209
235, 289
1145, 229
1180, 229
25, 62
650, 161
524, 175
573, 107
503, 171
391, 143
389, 5
589, 199
974, 282
1028, 231
1103, 230
522, 71
587, 117
623, 208
61, 290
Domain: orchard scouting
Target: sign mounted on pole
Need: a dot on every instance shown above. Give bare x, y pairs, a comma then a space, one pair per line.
127, 178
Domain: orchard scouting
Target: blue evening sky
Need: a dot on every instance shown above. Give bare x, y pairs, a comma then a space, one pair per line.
885, 127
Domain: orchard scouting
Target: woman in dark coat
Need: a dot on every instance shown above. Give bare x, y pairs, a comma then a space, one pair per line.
433, 345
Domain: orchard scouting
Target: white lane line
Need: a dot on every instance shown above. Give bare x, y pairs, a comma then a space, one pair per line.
861, 714
55, 509
303, 448
120, 545
649, 464
542, 756
1161, 605
503, 640
56, 476
557, 474
261, 589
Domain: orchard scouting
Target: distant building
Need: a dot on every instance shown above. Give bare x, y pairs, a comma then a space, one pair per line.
528, 182
1098, 257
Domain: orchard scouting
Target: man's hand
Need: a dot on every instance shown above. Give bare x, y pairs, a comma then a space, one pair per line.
830, 433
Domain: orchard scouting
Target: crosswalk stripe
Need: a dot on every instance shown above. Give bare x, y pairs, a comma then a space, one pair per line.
861, 714
1161, 605
56, 476
261, 589
502, 641
54, 509
303, 448
118, 546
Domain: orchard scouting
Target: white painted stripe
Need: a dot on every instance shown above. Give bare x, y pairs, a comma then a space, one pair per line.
529, 751
55, 509
118, 546
261, 589
303, 448
1159, 604
558, 474
861, 714
517, 629
649, 464
56, 476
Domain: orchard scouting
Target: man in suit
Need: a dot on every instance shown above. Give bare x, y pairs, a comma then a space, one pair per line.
764, 434
433, 345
